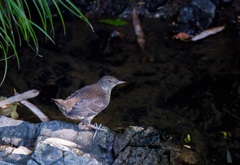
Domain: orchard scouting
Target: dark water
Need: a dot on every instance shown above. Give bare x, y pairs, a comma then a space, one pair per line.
170, 84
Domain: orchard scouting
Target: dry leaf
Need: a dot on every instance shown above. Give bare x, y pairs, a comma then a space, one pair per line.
182, 36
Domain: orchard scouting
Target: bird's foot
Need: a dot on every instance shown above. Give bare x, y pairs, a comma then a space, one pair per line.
97, 128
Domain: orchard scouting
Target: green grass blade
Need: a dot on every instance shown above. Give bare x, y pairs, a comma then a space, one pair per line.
49, 16
44, 32
19, 17
16, 14
76, 12
6, 65
11, 44
28, 9
60, 15
41, 13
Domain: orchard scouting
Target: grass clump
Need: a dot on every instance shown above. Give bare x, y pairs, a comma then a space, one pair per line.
16, 23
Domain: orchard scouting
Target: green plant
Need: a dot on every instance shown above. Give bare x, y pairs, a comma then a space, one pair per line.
114, 22
188, 138
16, 23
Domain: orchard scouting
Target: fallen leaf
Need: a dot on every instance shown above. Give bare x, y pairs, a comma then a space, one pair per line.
114, 22
182, 36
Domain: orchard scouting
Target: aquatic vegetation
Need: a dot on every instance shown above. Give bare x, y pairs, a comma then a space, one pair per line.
188, 138
114, 22
9, 110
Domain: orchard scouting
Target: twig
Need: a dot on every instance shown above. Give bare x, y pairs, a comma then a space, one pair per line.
19, 97
22, 99
138, 29
208, 32
35, 110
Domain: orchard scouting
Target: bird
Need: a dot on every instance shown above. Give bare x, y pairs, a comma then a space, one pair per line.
85, 103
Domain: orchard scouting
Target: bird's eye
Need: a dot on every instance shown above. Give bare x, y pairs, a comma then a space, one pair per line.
110, 81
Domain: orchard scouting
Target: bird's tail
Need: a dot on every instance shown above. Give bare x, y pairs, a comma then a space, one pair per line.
62, 105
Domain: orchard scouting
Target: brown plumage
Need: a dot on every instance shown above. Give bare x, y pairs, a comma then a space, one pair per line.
87, 102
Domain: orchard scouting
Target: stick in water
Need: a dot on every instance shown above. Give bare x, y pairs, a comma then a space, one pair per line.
138, 29
22, 99
19, 97
34, 109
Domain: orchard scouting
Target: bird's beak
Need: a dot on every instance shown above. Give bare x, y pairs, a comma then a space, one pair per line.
121, 82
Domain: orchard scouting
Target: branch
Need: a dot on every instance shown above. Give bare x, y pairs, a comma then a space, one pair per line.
22, 98
138, 29
19, 97
35, 110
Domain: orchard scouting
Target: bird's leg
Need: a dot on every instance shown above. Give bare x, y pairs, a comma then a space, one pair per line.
87, 121
96, 127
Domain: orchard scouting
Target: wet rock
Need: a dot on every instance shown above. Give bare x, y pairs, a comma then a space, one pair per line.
65, 143
153, 5
196, 16
122, 140
141, 155
149, 137
5, 163
46, 154
11, 154
142, 146
16, 132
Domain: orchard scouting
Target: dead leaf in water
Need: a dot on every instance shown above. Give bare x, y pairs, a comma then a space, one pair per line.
186, 37
182, 36
9, 110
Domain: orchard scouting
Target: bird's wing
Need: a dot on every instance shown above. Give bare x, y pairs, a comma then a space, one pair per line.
87, 107
74, 94
83, 92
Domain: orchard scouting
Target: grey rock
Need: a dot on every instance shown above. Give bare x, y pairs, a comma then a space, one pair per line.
206, 6
31, 162
58, 129
6, 163
16, 132
60, 143
45, 154
74, 159
83, 138
141, 155
143, 146
13, 155
148, 137
122, 140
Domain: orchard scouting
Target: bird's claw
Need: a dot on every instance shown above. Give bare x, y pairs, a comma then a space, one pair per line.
97, 128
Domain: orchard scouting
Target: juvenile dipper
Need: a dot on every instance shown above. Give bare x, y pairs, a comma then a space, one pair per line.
87, 102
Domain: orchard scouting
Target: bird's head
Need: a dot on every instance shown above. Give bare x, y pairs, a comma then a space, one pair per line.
107, 83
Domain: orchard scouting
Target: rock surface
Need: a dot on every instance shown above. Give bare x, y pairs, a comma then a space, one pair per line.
58, 142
